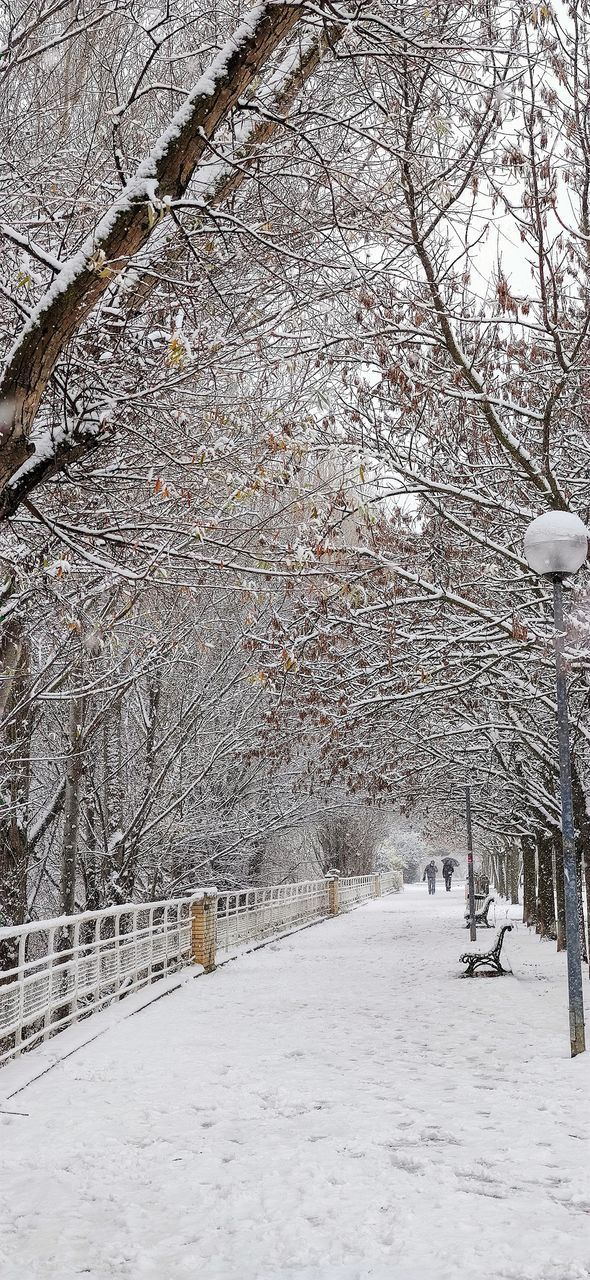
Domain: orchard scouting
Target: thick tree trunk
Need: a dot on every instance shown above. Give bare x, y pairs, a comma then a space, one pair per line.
514, 870
559, 891
546, 927
582, 824
529, 908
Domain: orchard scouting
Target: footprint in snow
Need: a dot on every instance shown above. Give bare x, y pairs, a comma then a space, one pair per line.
489, 1192
438, 1135
407, 1163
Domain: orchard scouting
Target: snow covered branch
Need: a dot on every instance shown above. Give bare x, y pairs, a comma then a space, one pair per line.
125, 227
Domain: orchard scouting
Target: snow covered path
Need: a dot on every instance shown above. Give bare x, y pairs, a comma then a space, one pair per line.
333, 1107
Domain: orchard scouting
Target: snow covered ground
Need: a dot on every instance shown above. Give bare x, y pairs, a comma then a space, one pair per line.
336, 1106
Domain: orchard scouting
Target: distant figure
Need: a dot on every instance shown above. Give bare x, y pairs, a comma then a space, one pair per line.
430, 875
448, 868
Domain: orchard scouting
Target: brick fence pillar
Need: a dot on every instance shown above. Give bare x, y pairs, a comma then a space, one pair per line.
333, 896
204, 931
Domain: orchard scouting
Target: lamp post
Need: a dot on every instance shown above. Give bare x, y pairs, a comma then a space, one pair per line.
470, 880
555, 545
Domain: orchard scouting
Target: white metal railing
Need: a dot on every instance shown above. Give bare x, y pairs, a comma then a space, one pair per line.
353, 889
250, 914
391, 881
58, 971
64, 968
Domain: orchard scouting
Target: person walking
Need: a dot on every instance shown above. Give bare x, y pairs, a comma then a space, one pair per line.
430, 875
448, 868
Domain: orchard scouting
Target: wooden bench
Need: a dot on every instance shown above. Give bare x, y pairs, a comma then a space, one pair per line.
481, 911
486, 959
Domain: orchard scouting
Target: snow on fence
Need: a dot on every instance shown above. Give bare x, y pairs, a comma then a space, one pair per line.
61, 969
353, 889
250, 914
58, 971
391, 881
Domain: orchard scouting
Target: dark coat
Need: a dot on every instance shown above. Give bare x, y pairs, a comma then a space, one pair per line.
429, 872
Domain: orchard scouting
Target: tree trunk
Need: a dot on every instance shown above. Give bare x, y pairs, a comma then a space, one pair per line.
580, 880
92, 877
559, 891
586, 879
501, 882
546, 927
130, 850
74, 775
16, 733
514, 870
494, 871
529, 909
113, 802
582, 825
69, 865
256, 862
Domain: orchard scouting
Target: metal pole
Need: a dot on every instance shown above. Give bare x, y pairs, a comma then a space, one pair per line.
574, 958
472, 929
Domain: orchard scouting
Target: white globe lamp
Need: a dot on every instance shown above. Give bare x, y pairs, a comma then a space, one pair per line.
556, 543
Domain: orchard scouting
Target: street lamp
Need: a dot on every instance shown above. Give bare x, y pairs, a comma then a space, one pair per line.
556, 544
470, 878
